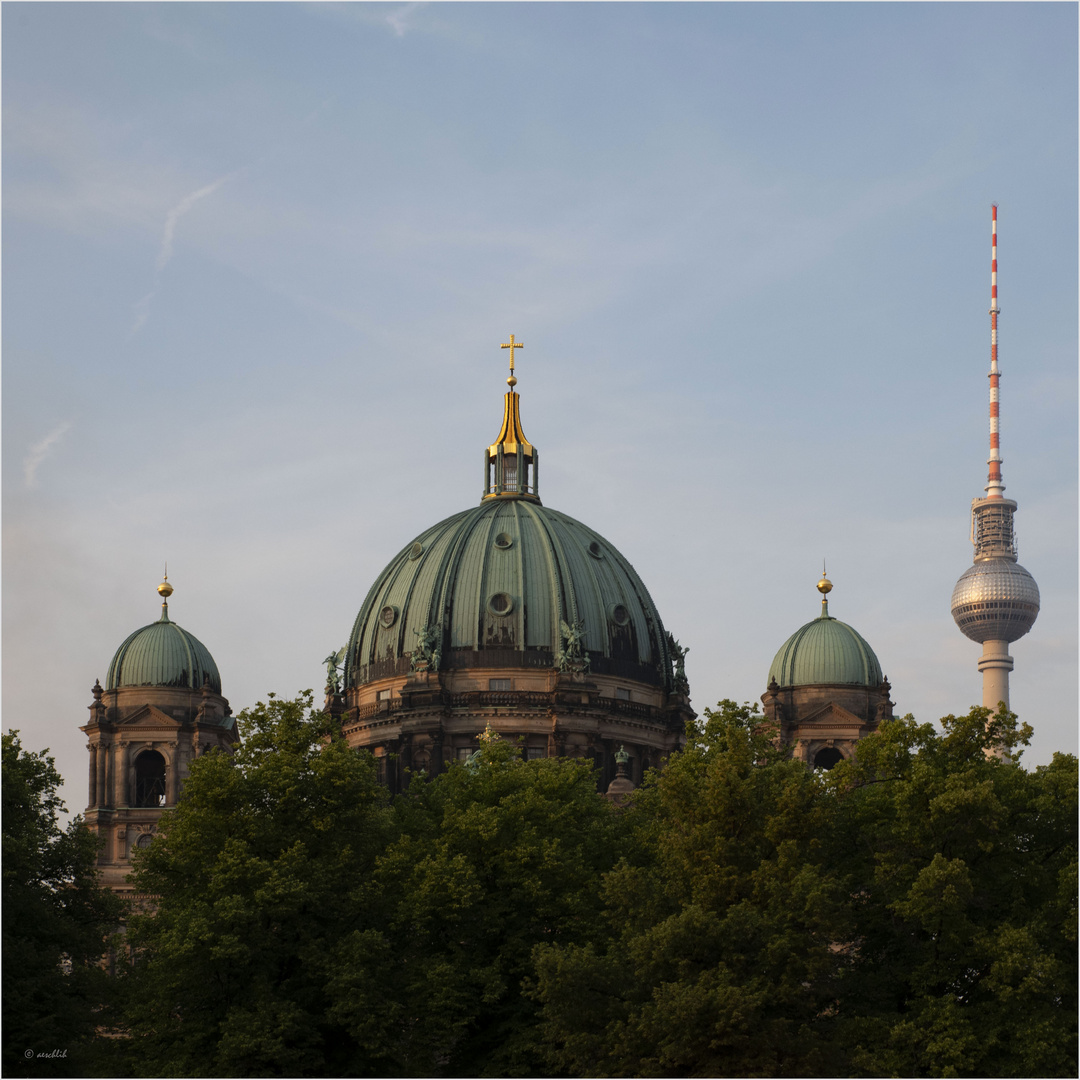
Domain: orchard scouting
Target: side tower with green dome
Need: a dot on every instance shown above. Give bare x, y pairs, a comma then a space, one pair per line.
826, 690
160, 707
516, 616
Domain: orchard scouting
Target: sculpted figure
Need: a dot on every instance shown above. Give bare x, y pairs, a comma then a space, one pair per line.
678, 656
573, 657
333, 662
426, 655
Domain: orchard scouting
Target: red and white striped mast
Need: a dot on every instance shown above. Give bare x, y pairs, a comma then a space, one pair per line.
994, 486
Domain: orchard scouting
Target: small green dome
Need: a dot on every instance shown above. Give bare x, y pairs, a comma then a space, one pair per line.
494, 585
826, 651
163, 654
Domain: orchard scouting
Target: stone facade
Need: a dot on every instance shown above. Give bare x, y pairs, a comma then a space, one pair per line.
823, 723
421, 721
141, 741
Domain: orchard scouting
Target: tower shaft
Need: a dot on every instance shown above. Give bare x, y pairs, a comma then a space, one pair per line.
995, 665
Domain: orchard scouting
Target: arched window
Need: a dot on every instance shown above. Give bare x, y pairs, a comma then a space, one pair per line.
149, 779
827, 758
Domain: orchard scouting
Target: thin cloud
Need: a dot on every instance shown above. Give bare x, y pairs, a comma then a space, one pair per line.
40, 451
177, 212
398, 20
165, 251
142, 313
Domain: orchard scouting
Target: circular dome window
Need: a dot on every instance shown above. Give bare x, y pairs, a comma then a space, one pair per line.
595, 550
504, 540
619, 615
388, 615
501, 604
416, 551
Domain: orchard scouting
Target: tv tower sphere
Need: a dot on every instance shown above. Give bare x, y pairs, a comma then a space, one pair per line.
996, 601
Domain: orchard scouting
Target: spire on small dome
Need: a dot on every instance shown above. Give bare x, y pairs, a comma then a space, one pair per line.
824, 586
511, 463
165, 590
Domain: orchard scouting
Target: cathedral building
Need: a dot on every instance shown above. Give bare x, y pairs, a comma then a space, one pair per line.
514, 616
826, 690
161, 706
508, 616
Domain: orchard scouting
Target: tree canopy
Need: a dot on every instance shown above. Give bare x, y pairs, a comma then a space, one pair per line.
910, 913
255, 876
303, 927
56, 920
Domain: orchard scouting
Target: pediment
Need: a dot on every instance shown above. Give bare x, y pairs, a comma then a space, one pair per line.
150, 717
834, 715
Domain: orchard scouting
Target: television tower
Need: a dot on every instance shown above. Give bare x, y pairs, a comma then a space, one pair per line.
997, 600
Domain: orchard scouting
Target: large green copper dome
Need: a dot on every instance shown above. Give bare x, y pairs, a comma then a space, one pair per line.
825, 651
162, 654
495, 584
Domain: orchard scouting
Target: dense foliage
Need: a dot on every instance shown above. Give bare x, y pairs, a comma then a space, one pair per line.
55, 923
912, 913
304, 927
258, 874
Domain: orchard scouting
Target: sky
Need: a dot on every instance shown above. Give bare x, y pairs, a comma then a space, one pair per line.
258, 260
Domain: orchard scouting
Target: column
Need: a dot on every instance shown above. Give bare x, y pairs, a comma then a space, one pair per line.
101, 758
171, 763
120, 795
106, 774
92, 786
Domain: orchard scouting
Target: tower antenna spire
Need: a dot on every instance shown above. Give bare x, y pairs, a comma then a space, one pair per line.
994, 486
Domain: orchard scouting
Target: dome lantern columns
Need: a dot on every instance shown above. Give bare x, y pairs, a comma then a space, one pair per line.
511, 462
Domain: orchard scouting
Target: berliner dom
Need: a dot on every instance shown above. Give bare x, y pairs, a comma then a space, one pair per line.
514, 615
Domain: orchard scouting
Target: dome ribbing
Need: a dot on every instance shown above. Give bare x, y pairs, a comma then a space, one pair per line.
500, 580
826, 651
162, 654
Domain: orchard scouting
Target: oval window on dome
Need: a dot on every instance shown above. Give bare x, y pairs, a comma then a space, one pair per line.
619, 615
504, 540
416, 551
501, 604
595, 550
388, 616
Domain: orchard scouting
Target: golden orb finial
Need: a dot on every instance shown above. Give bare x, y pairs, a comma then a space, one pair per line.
165, 590
824, 586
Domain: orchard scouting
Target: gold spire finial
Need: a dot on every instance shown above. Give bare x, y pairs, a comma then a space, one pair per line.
512, 345
165, 590
511, 461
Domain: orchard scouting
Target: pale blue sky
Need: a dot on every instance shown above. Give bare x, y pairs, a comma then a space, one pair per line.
258, 260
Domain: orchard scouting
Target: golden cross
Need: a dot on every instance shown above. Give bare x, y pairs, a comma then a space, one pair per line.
512, 345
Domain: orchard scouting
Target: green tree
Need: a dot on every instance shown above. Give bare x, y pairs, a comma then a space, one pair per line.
255, 875
966, 908
912, 913
720, 956
492, 859
56, 921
